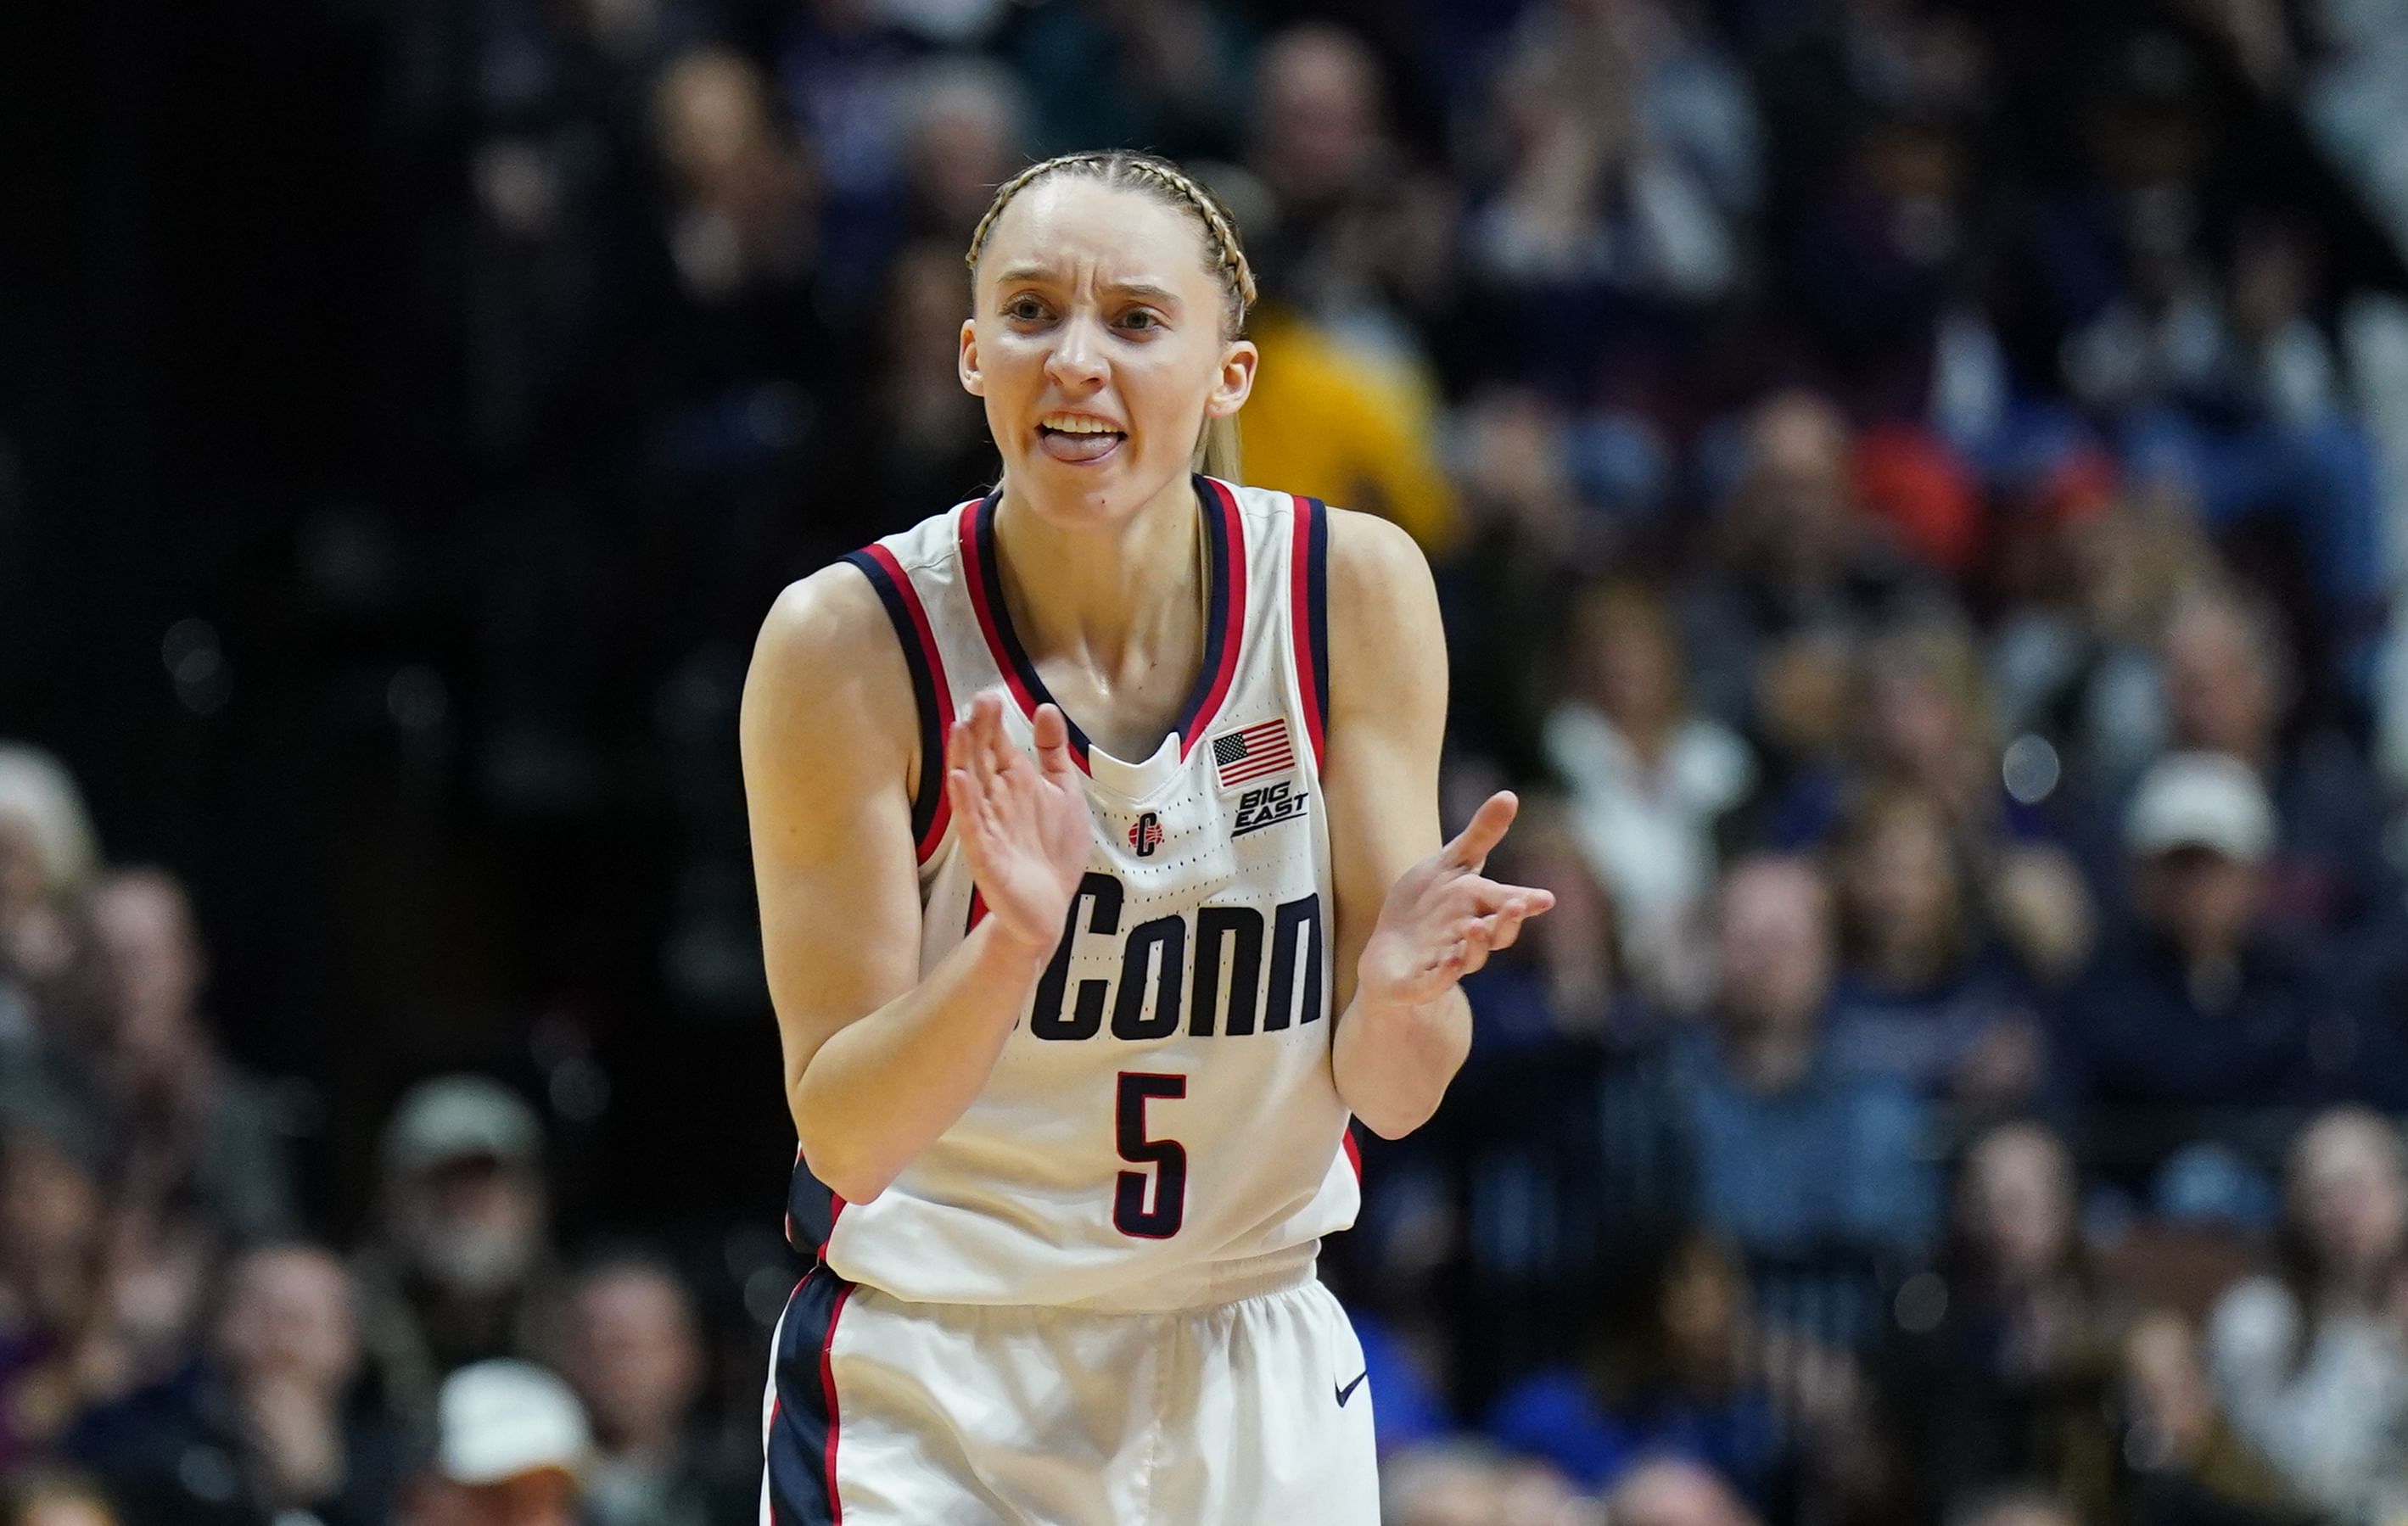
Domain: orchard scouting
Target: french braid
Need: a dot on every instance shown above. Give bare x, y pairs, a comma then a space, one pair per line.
1223, 252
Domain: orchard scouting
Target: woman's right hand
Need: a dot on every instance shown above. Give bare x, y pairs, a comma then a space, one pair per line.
1023, 821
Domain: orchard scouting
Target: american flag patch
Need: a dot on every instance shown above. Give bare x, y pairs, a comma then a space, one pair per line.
1252, 752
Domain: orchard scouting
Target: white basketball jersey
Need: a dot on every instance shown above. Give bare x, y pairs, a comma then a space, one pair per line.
1162, 1129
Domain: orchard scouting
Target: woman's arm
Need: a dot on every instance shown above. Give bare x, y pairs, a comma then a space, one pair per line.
878, 1061
1413, 917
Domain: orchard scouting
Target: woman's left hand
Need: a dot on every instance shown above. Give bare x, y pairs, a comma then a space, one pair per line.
1443, 917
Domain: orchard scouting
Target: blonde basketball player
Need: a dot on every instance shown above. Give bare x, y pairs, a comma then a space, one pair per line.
1095, 825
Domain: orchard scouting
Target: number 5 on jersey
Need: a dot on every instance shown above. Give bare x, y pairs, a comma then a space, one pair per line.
1168, 1158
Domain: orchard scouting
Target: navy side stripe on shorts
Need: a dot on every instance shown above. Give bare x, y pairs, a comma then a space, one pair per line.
800, 1447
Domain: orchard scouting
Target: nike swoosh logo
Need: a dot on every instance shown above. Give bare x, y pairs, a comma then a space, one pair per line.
1348, 1391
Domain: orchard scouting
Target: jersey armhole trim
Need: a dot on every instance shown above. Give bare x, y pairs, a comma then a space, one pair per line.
1308, 607
930, 814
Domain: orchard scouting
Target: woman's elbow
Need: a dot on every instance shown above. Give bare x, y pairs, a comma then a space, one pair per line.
846, 1171
835, 1150
1392, 1121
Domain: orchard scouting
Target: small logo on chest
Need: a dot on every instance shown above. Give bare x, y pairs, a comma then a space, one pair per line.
1145, 835
1267, 807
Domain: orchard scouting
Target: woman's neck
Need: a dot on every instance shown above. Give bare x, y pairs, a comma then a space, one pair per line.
1119, 605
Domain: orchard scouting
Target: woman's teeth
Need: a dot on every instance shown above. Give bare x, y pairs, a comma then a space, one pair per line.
1077, 440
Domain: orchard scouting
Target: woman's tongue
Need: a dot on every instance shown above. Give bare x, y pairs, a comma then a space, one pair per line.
1064, 446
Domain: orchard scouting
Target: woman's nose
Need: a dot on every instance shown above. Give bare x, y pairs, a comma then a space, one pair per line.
1076, 360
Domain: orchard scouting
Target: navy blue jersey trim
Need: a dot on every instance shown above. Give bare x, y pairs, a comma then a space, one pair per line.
924, 694
1220, 524
1017, 655
1316, 586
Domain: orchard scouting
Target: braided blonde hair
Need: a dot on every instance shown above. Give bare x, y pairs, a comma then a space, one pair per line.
1216, 450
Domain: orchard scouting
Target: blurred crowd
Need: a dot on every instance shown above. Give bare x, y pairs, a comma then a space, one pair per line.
1910, 520
177, 1347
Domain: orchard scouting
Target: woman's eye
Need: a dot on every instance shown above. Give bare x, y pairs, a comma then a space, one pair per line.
1140, 318
1027, 309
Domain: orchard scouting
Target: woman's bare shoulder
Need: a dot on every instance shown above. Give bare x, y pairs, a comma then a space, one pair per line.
828, 674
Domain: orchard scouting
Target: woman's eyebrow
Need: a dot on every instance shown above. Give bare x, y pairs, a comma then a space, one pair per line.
1145, 291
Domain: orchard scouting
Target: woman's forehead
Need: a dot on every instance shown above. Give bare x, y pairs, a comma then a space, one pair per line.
1071, 226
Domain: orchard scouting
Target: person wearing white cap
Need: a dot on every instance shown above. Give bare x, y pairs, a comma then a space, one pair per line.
510, 1445
2194, 1004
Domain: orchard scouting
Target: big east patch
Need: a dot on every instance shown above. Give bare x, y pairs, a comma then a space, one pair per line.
1267, 807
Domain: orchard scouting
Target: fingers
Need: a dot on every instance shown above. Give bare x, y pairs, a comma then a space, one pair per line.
985, 765
968, 813
1496, 923
987, 716
1486, 897
1472, 948
1504, 928
961, 781
1052, 730
1483, 832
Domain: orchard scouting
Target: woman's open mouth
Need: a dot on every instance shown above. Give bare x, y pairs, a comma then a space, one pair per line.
1076, 438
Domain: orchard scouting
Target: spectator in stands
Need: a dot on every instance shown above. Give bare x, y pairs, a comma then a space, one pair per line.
263, 1429
1319, 138
2229, 686
2188, 1465
2233, 394
461, 1268
48, 853
1650, 780
740, 219
2193, 1006
635, 1357
1920, 721
1350, 416
2006, 1351
1924, 996
54, 1499
1341, 431
1795, 1156
740, 222
510, 1445
1595, 201
968, 134
1801, 569
1508, 587
52, 1232
202, 1132
1669, 1365
1669, 1493
845, 72
2074, 656
2312, 1361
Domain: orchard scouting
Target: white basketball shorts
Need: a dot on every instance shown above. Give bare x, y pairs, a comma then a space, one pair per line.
886, 1413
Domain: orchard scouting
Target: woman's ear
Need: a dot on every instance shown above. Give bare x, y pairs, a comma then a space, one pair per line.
967, 362
1237, 379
